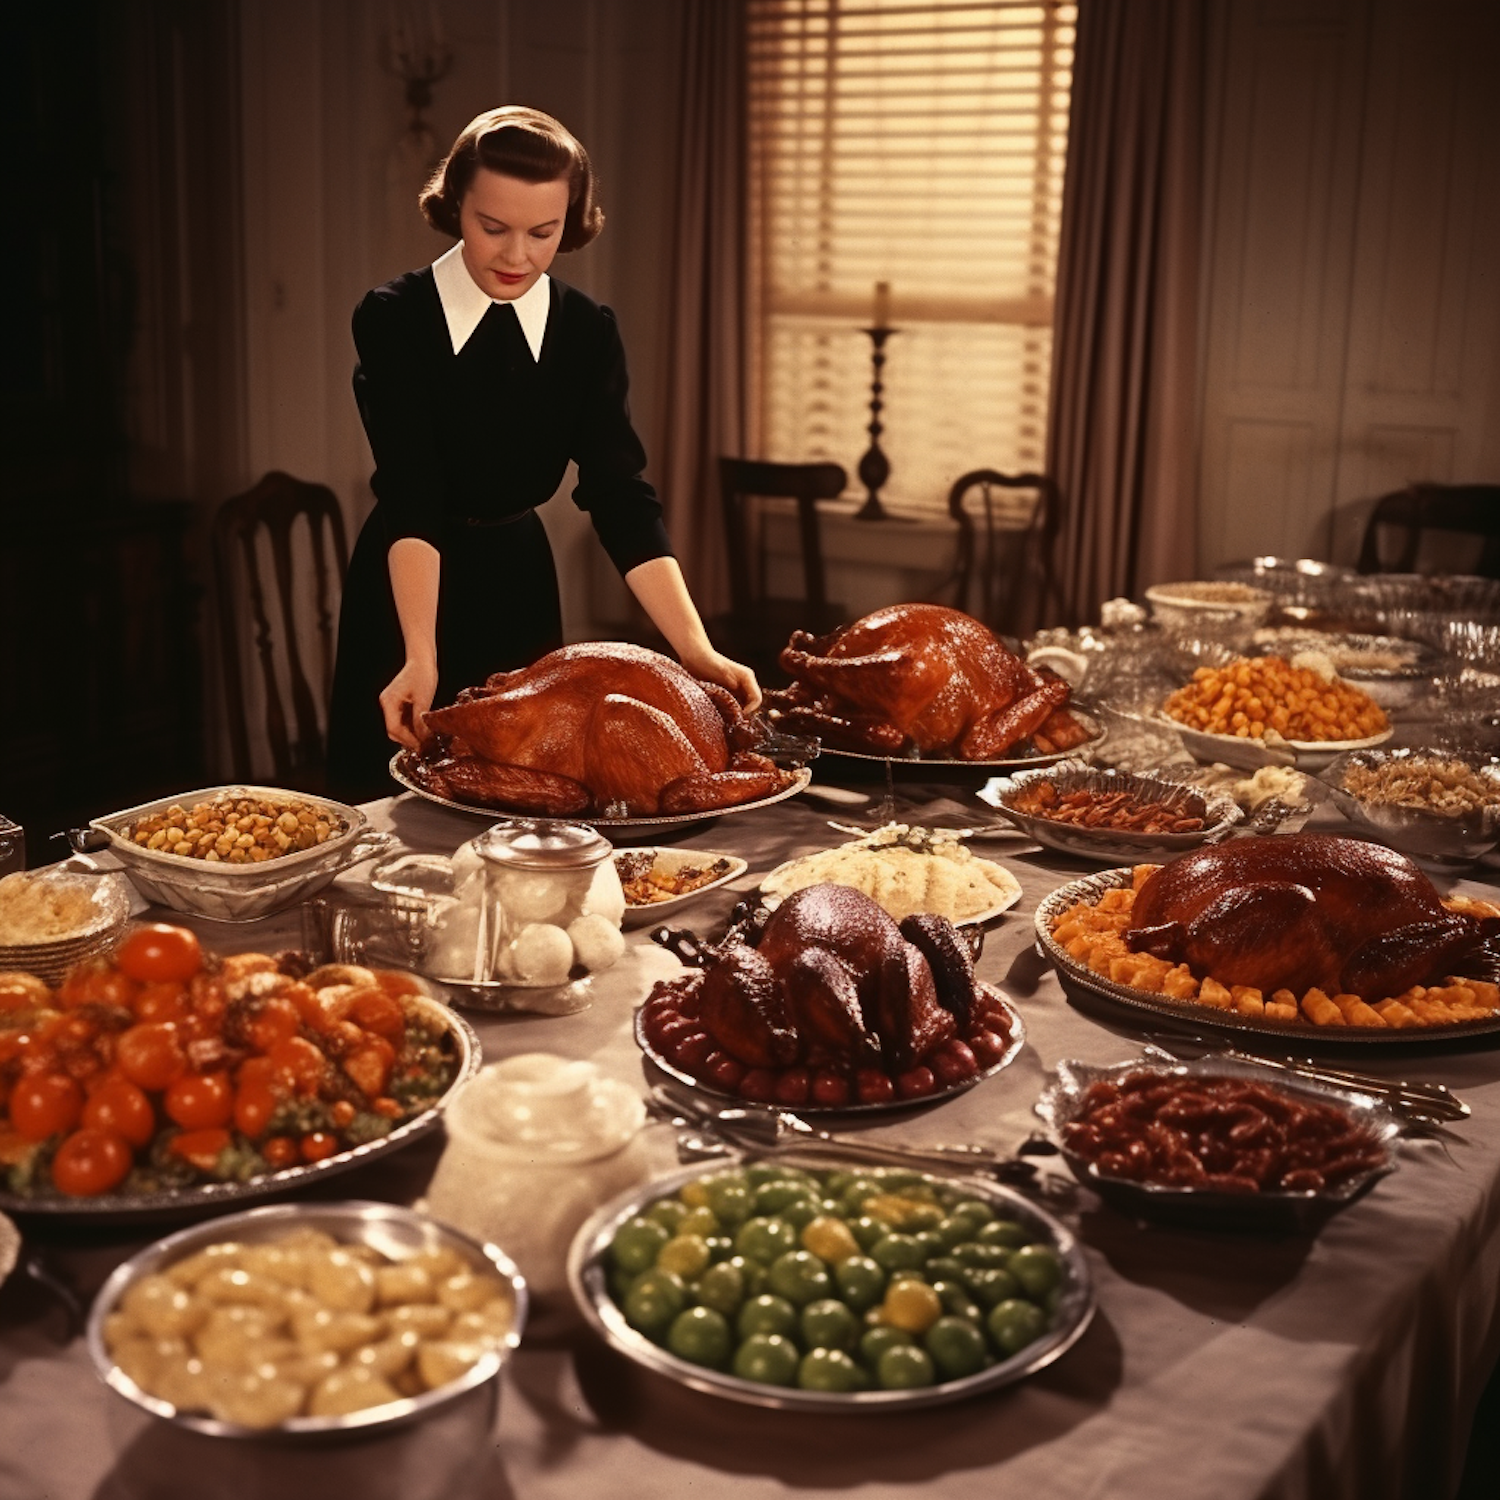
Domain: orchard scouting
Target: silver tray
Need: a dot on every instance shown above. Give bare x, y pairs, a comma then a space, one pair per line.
212, 1197
801, 777
1060, 1102
1220, 813
587, 1278
238, 893
1011, 763
394, 1231
1015, 1030
1079, 980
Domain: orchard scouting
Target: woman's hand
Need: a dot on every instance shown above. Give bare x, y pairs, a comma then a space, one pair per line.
406, 700
711, 666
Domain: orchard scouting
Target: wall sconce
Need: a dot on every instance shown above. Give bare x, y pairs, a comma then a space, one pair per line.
417, 52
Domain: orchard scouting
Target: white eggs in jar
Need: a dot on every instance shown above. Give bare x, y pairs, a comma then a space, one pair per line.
541, 954
596, 940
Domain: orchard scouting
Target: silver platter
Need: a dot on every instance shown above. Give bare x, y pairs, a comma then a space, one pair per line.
588, 1279
1079, 980
1013, 763
1219, 812
210, 1197
1062, 1100
801, 777
1015, 1031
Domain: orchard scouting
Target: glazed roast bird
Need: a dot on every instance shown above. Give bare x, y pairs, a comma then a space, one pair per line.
603, 728
1304, 910
921, 679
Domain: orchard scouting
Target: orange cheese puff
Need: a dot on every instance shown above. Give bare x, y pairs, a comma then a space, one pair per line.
1396, 1015
1248, 1001
1320, 1010
1356, 1012
1179, 984
1213, 993
1276, 1011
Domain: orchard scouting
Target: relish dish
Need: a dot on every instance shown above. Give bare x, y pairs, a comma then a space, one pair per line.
177, 871
1218, 1143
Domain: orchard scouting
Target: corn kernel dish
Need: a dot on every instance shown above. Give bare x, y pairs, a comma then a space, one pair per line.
1081, 927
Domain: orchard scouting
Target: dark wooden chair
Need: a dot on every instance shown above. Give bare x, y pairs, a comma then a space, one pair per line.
299, 597
1429, 513
758, 624
1006, 523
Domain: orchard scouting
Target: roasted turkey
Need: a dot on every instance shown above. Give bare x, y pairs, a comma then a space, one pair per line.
1303, 910
602, 728
921, 679
833, 979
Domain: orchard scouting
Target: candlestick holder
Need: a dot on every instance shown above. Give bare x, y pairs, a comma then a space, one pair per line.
875, 468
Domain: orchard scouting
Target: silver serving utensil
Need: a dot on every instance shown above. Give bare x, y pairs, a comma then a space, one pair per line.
750, 1129
1422, 1103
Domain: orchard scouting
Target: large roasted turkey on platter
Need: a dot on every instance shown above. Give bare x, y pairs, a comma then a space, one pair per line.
921, 680
603, 728
1302, 910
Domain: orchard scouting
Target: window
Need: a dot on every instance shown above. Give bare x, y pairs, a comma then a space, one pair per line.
919, 143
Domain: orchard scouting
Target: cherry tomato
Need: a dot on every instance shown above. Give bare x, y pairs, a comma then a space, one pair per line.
207, 997
830, 1089
280, 1152
275, 1021
90, 1161
198, 1101
162, 1000
341, 1113
200, 1147
160, 951
96, 982
116, 1104
44, 1104
151, 1054
376, 1011
317, 1145
758, 1085
916, 1083
254, 1104
299, 1064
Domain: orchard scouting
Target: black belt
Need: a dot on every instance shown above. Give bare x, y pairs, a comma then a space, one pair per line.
496, 520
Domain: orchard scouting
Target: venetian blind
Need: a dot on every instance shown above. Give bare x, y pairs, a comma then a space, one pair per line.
919, 143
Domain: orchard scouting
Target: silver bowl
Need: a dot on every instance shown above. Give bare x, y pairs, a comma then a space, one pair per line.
1430, 837
1219, 812
396, 1232
588, 1277
1062, 1101
238, 893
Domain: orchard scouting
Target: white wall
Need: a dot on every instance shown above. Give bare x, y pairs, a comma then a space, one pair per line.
1352, 332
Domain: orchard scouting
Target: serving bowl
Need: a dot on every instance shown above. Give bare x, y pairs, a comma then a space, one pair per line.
1063, 1100
1186, 606
1218, 811
236, 893
395, 1232
1430, 836
589, 1276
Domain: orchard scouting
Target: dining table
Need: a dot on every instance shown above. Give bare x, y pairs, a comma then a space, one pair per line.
1220, 1363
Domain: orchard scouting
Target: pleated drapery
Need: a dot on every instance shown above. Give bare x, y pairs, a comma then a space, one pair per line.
704, 409
1122, 430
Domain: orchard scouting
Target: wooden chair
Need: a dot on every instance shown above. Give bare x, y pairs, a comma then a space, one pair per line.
759, 624
1005, 527
1415, 513
294, 701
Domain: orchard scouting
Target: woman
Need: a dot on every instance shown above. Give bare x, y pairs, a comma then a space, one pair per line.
479, 378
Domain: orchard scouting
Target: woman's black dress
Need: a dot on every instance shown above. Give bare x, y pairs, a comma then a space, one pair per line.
466, 444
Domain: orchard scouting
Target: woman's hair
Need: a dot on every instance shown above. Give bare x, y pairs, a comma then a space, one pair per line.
522, 143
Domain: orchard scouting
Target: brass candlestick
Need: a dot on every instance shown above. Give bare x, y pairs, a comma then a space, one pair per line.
875, 468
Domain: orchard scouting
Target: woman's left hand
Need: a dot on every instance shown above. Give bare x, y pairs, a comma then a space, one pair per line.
713, 666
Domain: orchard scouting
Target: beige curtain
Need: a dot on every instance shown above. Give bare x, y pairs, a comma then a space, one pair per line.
1122, 436
704, 407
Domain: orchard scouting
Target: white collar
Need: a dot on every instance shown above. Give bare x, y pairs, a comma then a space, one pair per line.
464, 303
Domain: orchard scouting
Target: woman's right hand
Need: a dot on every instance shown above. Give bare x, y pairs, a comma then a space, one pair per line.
405, 702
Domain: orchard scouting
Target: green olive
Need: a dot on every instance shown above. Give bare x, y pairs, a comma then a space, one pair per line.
1037, 1268
637, 1243
829, 1324
829, 1370
800, 1277
861, 1281
653, 1301
904, 1367
764, 1239
956, 1346
1014, 1324
768, 1359
700, 1335
766, 1314
722, 1287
